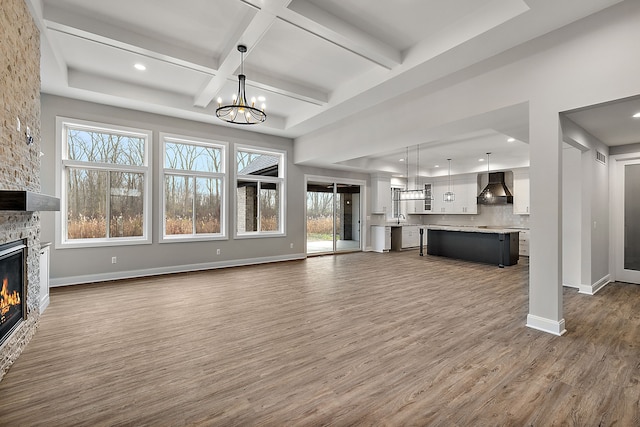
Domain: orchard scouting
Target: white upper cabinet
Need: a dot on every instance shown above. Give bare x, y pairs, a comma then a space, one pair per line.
464, 187
521, 191
381, 195
425, 206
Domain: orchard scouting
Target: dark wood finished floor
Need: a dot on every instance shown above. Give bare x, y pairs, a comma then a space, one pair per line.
357, 339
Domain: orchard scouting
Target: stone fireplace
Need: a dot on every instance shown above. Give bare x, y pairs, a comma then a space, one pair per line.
13, 287
20, 163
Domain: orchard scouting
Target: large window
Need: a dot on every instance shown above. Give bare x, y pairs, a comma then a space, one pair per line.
106, 184
193, 188
259, 192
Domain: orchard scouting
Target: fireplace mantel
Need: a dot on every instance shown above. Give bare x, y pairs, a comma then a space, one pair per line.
27, 201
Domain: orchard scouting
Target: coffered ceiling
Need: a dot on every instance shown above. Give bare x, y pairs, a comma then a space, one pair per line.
314, 61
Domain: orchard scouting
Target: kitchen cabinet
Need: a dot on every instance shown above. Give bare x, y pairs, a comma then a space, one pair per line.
380, 194
425, 206
521, 192
410, 236
493, 246
404, 237
381, 238
44, 276
524, 242
466, 191
465, 188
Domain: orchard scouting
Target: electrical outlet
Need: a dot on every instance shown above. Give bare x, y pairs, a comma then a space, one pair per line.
114, 260
217, 251
291, 245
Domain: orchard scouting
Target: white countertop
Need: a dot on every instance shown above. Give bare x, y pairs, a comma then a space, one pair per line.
471, 229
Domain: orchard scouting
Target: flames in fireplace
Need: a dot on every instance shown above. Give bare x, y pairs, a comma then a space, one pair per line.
7, 299
13, 291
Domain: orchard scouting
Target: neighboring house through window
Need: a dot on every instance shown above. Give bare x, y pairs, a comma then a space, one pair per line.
193, 178
106, 184
260, 181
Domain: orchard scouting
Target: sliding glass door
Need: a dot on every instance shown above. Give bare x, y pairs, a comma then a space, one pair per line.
333, 217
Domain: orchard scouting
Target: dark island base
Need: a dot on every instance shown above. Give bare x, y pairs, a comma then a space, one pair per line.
491, 248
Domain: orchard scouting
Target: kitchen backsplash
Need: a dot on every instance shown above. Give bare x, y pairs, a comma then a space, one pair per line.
500, 215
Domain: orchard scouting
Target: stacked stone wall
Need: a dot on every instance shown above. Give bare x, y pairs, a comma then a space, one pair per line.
20, 162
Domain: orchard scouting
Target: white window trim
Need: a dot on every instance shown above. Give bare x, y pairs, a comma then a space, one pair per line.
222, 175
61, 164
281, 179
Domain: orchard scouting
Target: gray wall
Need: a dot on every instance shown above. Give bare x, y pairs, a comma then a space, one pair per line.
75, 265
571, 216
594, 180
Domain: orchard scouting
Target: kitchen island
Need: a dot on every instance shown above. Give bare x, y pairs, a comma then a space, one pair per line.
482, 244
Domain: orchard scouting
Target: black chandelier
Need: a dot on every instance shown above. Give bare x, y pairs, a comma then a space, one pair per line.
240, 112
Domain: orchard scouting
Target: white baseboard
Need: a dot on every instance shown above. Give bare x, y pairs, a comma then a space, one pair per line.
554, 327
104, 277
44, 303
592, 289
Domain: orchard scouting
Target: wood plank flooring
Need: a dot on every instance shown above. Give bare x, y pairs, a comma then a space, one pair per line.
357, 339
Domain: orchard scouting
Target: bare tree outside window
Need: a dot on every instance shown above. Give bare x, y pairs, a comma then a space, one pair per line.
193, 188
105, 174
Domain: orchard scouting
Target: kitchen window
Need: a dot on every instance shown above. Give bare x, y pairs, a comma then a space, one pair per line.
193, 187
105, 184
260, 191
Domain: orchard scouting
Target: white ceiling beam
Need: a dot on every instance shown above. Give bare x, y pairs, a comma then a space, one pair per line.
128, 95
230, 62
248, 34
57, 19
320, 23
308, 17
287, 88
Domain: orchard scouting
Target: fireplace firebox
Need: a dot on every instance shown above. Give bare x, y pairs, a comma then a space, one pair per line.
13, 292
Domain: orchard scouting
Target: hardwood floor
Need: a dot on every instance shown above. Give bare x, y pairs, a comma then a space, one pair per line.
357, 339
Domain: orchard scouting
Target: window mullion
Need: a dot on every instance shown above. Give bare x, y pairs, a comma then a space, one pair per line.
258, 208
108, 206
103, 166
193, 205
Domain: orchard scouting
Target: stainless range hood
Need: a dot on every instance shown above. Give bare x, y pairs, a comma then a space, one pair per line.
496, 192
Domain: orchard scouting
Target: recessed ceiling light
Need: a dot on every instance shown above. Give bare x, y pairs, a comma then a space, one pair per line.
140, 67
511, 140
636, 116
436, 166
481, 160
402, 160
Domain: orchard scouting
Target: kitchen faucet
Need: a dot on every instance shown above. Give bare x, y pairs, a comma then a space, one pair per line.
403, 217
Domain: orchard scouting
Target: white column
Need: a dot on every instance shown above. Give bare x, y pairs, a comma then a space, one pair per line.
545, 262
